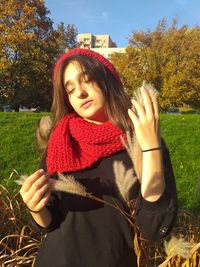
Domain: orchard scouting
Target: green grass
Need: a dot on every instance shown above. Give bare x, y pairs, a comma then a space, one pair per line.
181, 133
17, 142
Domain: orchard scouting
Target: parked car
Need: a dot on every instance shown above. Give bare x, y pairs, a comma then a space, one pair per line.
24, 109
36, 109
7, 108
173, 111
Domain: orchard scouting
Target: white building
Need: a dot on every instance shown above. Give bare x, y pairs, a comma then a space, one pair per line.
88, 40
107, 52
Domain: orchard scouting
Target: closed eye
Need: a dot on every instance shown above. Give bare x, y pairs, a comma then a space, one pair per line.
70, 91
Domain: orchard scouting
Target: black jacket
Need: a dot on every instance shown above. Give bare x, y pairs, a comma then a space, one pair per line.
86, 233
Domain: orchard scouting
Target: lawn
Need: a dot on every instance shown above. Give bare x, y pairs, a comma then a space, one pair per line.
181, 133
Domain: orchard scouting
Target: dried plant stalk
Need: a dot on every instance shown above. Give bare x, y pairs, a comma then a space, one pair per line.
178, 247
124, 179
21, 180
69, 184
151, 90
135, 153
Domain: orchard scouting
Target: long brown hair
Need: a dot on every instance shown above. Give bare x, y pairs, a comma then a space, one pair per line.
117, 101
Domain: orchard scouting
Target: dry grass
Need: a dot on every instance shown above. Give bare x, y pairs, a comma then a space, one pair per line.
19, 243
180, 249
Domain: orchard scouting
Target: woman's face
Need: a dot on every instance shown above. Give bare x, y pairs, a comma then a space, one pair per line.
84, 95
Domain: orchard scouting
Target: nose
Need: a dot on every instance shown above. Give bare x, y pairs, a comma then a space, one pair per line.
80, 91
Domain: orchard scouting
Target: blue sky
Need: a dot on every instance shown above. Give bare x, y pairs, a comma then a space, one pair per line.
119, 18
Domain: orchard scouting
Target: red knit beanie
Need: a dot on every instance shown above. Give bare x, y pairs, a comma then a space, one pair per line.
89, 53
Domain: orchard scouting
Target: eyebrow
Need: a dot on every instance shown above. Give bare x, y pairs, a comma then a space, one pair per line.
80, 75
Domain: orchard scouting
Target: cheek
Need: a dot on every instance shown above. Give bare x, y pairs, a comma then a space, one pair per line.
102, 100
72, 102
75, 106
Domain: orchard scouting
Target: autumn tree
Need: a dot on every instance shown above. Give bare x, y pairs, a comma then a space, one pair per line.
142, 60
28, 48
128, 65
66, 38
180, 73
169, 58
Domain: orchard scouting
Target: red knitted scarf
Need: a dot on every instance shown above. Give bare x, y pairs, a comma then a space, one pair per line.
76, 144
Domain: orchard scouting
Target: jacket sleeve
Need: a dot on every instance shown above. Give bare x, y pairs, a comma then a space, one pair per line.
52, 205
155, 219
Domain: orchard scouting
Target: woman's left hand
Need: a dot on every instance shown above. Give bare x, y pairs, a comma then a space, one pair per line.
146, 120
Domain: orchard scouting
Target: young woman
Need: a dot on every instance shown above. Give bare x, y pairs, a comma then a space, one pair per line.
90, 114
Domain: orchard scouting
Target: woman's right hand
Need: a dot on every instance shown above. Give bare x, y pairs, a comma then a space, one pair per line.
36, 191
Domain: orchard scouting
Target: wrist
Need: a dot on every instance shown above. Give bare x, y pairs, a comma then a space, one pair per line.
33, 211
152, 149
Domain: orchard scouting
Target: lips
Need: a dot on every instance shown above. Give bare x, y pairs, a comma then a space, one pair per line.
86, 103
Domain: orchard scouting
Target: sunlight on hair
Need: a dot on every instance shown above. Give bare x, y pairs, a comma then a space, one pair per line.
42, 132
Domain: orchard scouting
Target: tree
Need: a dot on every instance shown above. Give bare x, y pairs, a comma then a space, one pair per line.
129, 68
142, 60
28, 48
180, 73
66, 38
169, 58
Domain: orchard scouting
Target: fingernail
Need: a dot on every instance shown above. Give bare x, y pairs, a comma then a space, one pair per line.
40, 170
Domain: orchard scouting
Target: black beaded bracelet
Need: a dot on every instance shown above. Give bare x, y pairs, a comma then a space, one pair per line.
33, 210
155, 148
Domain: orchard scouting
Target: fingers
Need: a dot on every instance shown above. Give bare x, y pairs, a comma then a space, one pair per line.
139, 109
149, 110
148, 105
36, 190
40, 198
156, 109
145, 118
31, 179
42, 203
40, 182
133, 117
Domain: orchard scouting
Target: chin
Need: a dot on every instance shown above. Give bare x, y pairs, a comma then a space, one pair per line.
90, 115
96, 118
93, 114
